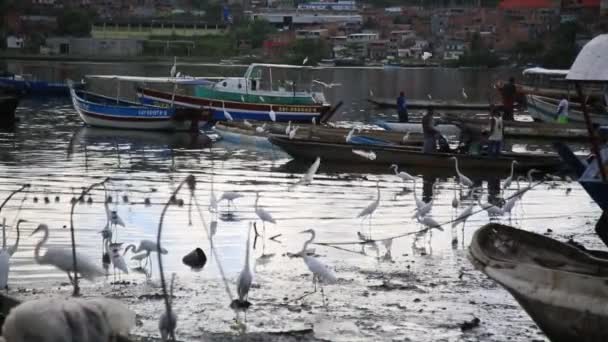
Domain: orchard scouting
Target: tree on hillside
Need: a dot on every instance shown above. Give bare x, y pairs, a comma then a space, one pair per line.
75, 22
562, 50
255, 31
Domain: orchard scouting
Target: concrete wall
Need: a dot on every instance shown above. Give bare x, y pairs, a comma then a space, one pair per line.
95, 47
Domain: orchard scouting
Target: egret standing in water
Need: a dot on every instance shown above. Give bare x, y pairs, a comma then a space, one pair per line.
462, 179
262, 214
509, 179
230, 196
309, 175
371, 208
63, 259
321, 273
402, 174
146, 246
243, 282
5, 256
117, 260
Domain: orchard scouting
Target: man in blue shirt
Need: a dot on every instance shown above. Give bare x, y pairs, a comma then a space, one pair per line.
402, 108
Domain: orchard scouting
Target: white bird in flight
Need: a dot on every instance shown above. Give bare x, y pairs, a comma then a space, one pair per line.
371, 155
309, 175
327, 85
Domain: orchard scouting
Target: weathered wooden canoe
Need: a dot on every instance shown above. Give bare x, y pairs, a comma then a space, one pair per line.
561, 287
424, 104
408, 155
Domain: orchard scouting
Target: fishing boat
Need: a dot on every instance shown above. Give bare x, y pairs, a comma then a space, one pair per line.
26, 85
545, 109
560, 286
416, 127
102, 111
552, 83
306, 149
434, 104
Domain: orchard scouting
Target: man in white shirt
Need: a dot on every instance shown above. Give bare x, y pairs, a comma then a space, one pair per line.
496, 134
562, 111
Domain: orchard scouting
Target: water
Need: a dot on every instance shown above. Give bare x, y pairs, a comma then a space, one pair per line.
50, 150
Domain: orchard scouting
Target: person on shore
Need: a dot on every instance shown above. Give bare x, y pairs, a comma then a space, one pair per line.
429, 131
496, 134
562, 111
508, 91
402, 108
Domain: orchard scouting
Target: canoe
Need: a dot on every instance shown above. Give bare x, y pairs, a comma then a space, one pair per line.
561, 287
8, 106
27, 87
424, 104
544, 109
236, 109
416, 127
101, 111
408, 155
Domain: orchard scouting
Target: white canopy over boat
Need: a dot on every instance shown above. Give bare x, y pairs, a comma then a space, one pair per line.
543, 71
172, 80
591, 64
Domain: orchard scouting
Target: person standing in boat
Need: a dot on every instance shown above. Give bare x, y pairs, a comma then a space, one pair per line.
429, 131
402, 107
508, 92
562, 110
496, 134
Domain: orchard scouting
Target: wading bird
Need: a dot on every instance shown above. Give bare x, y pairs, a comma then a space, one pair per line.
429, 222
464, 215
288, 128
226, 114
173, 70
464, 94
63, 259
292, 133
117, 260
243, 282
72, 319
146, 246
168, 321
262, 99
309, 175
230, 196
371, 208
272, 114
313, 121
509, 179
262, 214
462, 179
321, 273
261, 129
492, 210
5, 256
402, 174
349, 136
12, 249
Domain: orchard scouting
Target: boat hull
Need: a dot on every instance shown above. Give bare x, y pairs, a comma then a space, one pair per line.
562, 288
124, 115
424, 104
310, 150
544, 109
405, 127
237, 110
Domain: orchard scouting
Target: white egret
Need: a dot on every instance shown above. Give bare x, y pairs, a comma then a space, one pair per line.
117, 260
424, 208
262, 214
293, 132
406, 137
272, 114
520, 193
371, 155
146, 246
464, 94
288, 128
243, 282
173, 71
402, 174
426, 55
4, 268
371, 208
72, 319
247, 123
462, 179
230, 196
321, 273
455, 201
168, 322
12, 249
429, 97
242, 98
115, 219
305, 60
509, 179
327, 85
464, 215
226, 114
63, 258
313, 121
429, 222
261, 129
262, 99
309, 175
491, 208
349, 136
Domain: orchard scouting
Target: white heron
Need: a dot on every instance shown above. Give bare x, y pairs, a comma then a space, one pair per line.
242, 98
115, 219
63, 258
288, 128
327, 85
230, 196
272, 114
313, 121
370, 155
406, 137
305, 60
520, 193
462, 179
429, 97
371, 208
262, 214
308, 177
402, 174
426, 55
226, 114
455, 201
350, 134
261, 129
509, 179
146, 246
292, 133
168, 323
245, 278
491, 209
424, 208
71, 319
12, 249
117, 260
464, 215
173, 71
429, 222
464, 94
321, 273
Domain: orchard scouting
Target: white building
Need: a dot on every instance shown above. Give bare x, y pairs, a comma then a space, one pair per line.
363, 37
13, 42
340, 5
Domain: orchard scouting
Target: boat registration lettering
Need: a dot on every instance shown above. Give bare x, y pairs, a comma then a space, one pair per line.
151, 112
297, 109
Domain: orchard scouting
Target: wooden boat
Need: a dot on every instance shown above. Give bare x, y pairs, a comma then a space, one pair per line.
544, 109
306, 149
416, 127
237, 110
26, 86
561, 287
101, 111
424, 104
552, 83
8, 106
